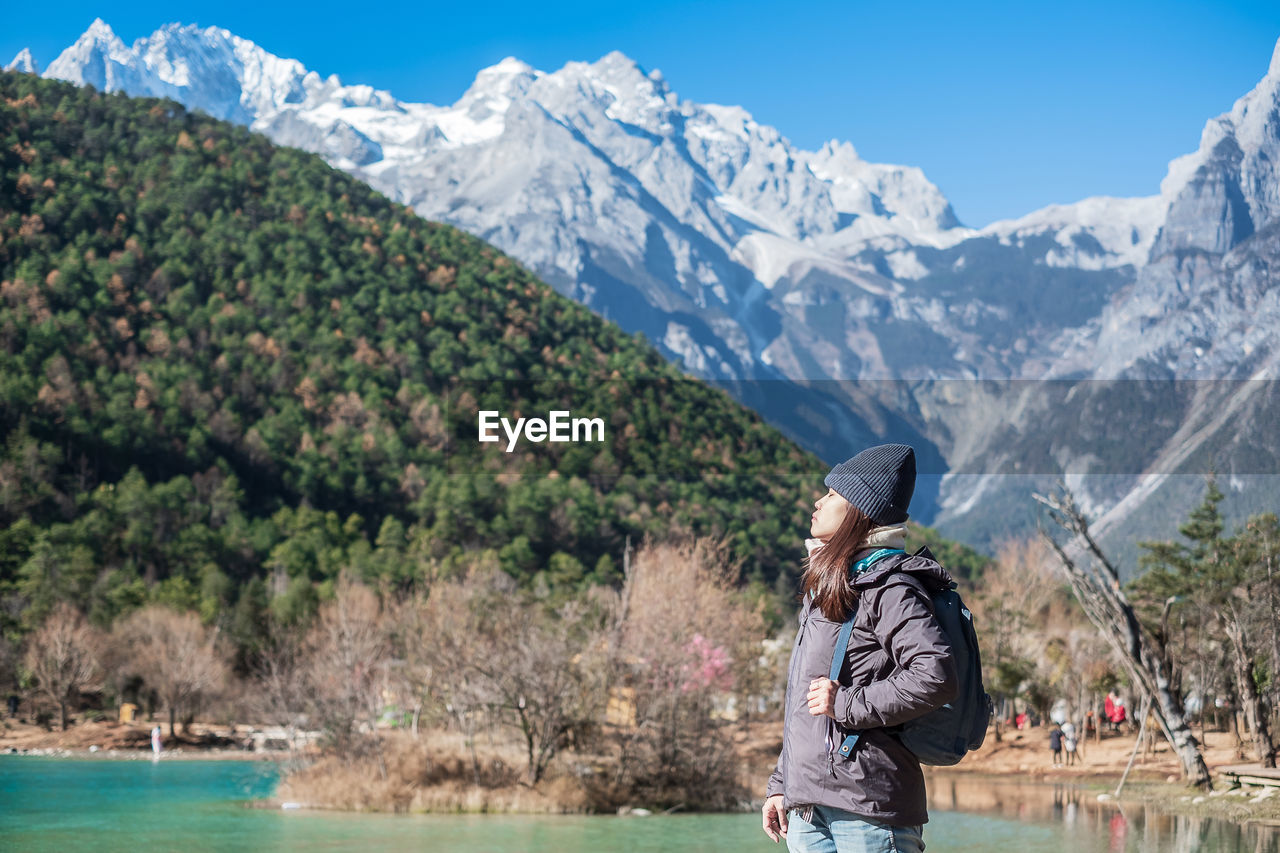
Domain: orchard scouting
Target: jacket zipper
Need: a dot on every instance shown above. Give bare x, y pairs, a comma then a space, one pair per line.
795, 658
831, 755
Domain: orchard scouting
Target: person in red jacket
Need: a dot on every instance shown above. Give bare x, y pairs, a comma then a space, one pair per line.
1114, 709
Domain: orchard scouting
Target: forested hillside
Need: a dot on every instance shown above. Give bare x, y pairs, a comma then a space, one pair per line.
228, 370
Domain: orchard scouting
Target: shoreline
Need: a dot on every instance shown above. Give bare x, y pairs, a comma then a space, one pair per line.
177, 754
1242, 806
111, 739
1018, 762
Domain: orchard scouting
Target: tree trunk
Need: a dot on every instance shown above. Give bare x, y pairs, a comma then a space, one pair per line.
62, 707
1173, 722
1235, 729
1098, 590
173, 714
532, 770
1255, 713
466, 722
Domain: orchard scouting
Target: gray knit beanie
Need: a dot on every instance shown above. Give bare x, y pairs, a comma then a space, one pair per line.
879, 481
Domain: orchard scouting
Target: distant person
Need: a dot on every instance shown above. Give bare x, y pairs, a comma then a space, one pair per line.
1114, 709
13, 705
1090, 723
1055, 744
157, 743
897, 666
1069, 742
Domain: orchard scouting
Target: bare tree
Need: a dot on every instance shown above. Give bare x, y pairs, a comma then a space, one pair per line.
62, 657
1218, 588
277, 692
1014, 595
492, 648
343, 664
435, 631
176, 655
1247, 618
1096, 583
686, 636
536, 670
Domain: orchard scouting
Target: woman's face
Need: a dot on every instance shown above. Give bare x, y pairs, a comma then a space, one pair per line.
830, 511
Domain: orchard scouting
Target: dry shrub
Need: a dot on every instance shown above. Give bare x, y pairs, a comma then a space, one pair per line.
684, 637
428, 775
481, 650
482, 657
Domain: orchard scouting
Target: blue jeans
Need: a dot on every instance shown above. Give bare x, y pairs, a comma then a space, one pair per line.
838, 831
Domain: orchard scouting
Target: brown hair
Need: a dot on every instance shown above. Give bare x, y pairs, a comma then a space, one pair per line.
826, 572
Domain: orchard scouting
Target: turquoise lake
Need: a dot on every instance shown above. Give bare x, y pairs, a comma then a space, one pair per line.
59, 804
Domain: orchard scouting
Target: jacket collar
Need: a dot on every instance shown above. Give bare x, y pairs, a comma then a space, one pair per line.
921, 566
888, 536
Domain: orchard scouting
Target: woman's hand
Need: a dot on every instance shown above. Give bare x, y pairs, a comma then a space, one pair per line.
775, 817
822, 697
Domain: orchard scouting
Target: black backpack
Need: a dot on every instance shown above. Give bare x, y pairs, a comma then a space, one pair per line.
946, 734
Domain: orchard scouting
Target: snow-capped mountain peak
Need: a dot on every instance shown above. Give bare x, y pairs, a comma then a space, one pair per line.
100, 31
211, 69
881, 191
600, 178
24, 61
508, 78
507, 67
92, 59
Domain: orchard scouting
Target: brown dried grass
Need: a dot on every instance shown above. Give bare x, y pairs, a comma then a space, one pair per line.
431, 774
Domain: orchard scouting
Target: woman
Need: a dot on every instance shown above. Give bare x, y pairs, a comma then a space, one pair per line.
897, 666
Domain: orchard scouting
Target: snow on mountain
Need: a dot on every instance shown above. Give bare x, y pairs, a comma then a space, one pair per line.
596, 175
23, 62
1094, 233
745, 257
1204, 306
648, 208
1232, 176
1206, 301
878, 199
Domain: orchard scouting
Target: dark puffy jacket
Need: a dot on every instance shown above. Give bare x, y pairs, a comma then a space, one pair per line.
899, 665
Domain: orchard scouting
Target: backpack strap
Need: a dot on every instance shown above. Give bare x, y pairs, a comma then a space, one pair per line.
846, 630
842, 643
837, 660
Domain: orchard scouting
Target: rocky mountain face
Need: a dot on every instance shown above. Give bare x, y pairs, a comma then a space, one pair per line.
1175, 376
840, 298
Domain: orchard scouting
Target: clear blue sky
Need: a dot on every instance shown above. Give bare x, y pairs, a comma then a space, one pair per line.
1006, 106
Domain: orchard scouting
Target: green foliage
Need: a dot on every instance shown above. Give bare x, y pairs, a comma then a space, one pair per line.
1182, 575
1210, 588
228, 371
1011, 676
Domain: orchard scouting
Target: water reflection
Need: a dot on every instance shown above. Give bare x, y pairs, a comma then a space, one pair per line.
1091, 825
